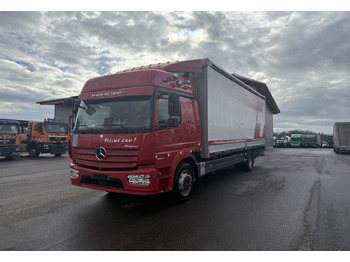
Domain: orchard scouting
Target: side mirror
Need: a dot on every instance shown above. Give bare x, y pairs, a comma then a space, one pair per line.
90, 110
173, 122
174, 105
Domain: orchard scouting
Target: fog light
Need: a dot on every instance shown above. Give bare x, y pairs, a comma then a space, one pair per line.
74, 173
139, 179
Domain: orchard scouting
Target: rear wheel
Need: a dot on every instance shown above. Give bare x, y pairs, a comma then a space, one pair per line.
183, 182
248, 165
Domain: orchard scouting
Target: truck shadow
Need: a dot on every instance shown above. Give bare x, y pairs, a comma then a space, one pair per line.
43, 157
139, 204
209, 184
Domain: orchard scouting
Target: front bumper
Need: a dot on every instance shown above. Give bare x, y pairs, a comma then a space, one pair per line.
54, 148
9, 150
344, 149
117, 181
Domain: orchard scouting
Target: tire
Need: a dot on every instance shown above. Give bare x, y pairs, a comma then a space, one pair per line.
183, 182
9, 157
248, 165
33, 151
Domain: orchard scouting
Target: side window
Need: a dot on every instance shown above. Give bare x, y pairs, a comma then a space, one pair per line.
164, 118
163, 114
39, 127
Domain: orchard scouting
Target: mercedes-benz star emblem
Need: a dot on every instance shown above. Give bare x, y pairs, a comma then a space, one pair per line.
100, 153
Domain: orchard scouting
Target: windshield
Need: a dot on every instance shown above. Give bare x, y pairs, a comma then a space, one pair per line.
9, 129
118, 115
56, 128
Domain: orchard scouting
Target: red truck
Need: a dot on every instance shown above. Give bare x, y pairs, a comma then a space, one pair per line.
161, 127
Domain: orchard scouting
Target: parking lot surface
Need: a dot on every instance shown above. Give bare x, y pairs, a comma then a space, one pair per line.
294, 199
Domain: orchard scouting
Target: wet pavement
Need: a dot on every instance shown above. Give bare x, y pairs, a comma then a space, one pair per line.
294, 199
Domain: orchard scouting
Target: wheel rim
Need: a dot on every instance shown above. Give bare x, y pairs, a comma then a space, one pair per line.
250, 162
185, 183
32, 151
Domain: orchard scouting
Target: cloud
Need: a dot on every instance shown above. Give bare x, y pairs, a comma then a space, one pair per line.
301, 56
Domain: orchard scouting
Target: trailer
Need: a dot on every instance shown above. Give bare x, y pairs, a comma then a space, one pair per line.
313, 140
341, 137
162, 127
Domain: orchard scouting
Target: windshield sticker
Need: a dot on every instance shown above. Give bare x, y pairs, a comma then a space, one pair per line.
114, 93
120, 140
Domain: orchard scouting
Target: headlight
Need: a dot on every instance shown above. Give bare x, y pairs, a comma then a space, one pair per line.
74, 173
139, 179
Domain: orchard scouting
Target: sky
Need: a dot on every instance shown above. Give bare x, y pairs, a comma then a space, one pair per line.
302, 56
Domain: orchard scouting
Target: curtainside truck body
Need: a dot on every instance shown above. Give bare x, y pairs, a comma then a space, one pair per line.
341, 137
160, 128
313, 140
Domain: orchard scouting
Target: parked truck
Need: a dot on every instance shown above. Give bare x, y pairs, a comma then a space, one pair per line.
46, 137
162, 127
296, 140
313, 140
283, 141
10, 139
341, 137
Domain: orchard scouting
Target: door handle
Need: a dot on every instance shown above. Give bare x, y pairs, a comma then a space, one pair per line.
181, 139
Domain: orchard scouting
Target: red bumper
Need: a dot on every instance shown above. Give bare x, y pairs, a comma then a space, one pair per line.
117, 181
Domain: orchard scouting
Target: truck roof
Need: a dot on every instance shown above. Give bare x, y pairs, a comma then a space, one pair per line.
177, 66
296, 135
8, 122
343, 124
127, 83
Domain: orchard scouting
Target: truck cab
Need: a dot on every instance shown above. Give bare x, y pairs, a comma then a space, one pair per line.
296, 140
46, 137
127, 137
10, 139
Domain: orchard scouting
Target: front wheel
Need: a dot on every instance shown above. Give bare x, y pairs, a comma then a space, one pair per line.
183, 182
33, 151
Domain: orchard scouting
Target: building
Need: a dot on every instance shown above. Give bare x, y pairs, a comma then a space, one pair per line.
63, 108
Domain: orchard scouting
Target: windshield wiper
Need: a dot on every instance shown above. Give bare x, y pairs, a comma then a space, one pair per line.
121, 125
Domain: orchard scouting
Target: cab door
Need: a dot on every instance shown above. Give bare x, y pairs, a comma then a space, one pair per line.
170, 128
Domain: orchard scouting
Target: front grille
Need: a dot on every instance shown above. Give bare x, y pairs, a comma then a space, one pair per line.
5, 141
115, 158
57, 139
102, 180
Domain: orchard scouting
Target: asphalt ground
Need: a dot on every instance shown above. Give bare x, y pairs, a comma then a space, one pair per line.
294, 199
